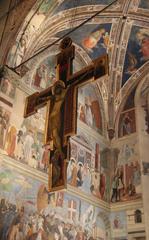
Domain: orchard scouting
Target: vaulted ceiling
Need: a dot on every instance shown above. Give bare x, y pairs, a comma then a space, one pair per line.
122, 31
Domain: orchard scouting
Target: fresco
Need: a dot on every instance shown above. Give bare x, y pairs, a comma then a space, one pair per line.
94, 38
89, 108
23, 139
44, 75
26, 144
28, 211
17, 188
7, 88
144, 4
127, 123
16, 54
145, 168
4, 124
45, 7
73, 4
88, 168
118, 224
126, 173
127, 120
137, 51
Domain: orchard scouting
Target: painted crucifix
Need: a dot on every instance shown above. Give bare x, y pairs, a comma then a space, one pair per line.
61, 102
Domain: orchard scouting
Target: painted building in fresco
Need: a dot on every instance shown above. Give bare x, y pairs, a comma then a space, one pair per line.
107, 177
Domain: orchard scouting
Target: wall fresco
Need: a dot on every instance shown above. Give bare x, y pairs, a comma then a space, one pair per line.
118, 225
26, 144
137, 51
127, 123
145, 168
7, 88
89, 165
28, 211
4, 124
89, 108
126, 174
44, 75
127, 119
22, 139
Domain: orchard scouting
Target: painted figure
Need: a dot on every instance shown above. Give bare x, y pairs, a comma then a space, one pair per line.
79, 175
41, 77
102, 185
54, 130
46, 157
19, 147
137, 51
116, 222
92, 40
120, 188
7, 88
11, 141
89, 108
114, 188
28, 142
88, 112
3, 126
126, 124
20, 51
73, 177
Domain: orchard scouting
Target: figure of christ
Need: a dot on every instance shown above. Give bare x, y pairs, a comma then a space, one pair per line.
55, 116
54, 131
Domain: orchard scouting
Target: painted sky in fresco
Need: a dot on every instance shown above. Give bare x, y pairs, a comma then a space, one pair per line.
72, 4
94, 38
137, 51
144, 4
17, 187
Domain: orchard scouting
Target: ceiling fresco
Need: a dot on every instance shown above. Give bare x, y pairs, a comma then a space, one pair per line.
46, 6
137, 51
122, 32
73, 4
94, 38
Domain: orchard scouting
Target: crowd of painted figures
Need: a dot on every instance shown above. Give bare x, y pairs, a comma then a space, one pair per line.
21, 145
17, 224
83, 176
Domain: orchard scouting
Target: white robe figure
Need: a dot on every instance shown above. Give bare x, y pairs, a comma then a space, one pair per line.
28, 142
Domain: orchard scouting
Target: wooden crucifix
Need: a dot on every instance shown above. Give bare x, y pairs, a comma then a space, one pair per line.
61, 102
